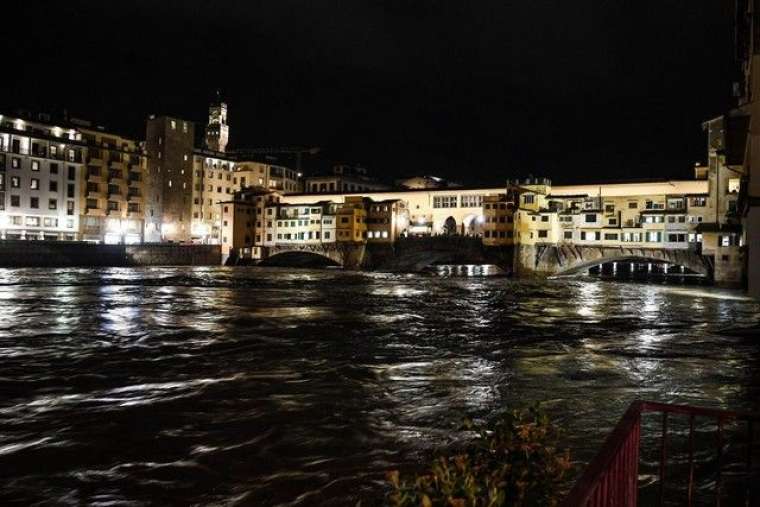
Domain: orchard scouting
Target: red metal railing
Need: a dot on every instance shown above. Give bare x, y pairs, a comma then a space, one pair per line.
611, 479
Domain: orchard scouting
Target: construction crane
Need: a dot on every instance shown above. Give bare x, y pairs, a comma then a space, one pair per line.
298, 151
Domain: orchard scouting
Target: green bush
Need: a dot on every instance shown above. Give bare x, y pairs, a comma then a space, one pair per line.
512, 462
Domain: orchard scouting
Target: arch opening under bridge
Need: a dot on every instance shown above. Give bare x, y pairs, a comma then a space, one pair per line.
570, 259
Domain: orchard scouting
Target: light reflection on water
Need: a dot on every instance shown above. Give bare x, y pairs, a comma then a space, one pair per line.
299, 387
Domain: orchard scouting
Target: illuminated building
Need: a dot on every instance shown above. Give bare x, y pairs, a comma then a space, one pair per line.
41, 174
169, 148
217, 130
113, 188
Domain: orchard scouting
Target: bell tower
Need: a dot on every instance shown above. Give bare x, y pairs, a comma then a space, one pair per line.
217, 130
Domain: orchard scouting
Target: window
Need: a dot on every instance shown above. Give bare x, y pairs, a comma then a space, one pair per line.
543, 234
590, 218
70, 207
34, 202
677, 238
16, 163
70, 191
611, 236
568, 235
528, 199
15, 201
15, 182
33, 221
35, 165
72, 172
34, 183
52, 204
53, 186
699, 202
609, 208
445, 201
472, 201
113, 206
633, 205
544, 218
173, 124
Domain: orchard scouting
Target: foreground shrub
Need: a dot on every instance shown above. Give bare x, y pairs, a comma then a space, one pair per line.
512, 462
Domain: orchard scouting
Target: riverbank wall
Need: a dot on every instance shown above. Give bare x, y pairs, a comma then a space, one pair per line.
18, 254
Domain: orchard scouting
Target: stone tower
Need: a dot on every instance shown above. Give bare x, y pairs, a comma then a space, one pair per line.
217, 130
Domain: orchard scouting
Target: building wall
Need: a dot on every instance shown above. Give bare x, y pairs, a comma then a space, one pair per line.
113, 189
169, 148
41, 167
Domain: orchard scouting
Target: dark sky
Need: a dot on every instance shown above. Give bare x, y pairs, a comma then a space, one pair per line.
477, 91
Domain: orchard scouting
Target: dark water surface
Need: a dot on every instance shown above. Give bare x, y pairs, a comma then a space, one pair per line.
259, 386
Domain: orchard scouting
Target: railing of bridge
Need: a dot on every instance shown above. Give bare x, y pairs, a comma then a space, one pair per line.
612, 477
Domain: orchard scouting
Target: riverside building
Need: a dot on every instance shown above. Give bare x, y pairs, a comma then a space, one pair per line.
188, 183
41, 176
113, 197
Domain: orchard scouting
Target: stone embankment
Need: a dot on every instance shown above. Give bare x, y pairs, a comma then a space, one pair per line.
16, 254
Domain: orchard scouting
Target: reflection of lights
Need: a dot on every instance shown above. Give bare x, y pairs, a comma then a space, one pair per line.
588, 299
168, 228
481, 219
4, 220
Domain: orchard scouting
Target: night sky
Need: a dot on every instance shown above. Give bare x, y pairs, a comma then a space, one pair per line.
477, 91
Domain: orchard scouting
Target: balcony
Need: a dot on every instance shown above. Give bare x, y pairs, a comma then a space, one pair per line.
95, 177
116, 179
96, 194
95, 212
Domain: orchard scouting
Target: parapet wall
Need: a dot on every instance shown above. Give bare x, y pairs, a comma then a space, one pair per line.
16, 254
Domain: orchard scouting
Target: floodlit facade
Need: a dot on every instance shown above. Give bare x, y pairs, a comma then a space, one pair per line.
113, 188
169, 148
41, 175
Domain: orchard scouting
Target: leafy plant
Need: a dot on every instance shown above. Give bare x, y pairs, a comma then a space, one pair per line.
513, 461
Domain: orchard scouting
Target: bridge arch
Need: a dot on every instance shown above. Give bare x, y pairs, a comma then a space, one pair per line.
569, 259
286, 257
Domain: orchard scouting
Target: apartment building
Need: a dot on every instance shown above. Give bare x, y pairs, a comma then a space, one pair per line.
386, 220
498, 219
113, 188
41, 174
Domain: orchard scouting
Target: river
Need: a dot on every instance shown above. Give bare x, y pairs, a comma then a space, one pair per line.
267, 386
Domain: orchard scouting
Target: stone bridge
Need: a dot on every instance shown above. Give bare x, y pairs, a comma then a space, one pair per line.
566, 259
346, 254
